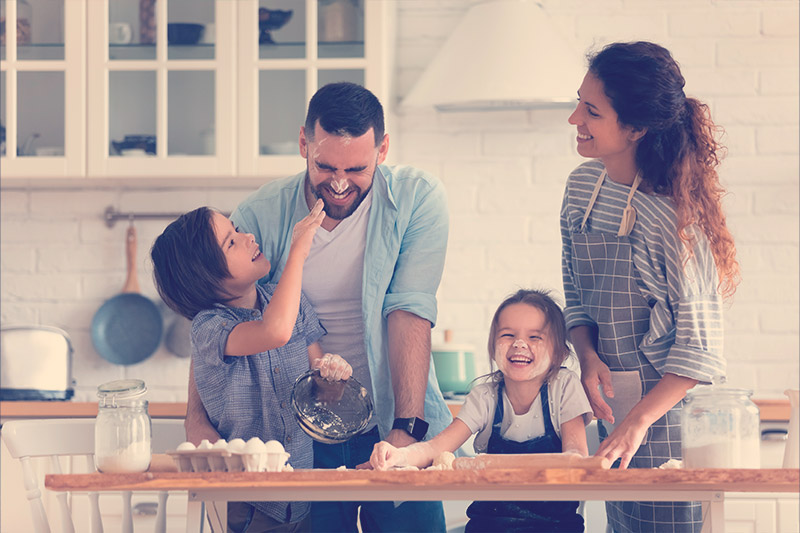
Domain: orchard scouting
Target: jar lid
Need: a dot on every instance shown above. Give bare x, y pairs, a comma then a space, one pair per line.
122, 389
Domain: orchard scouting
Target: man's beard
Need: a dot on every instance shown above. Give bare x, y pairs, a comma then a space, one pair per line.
337, 212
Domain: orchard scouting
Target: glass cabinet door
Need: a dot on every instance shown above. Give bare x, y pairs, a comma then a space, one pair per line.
290, 49
42, 124
162, 73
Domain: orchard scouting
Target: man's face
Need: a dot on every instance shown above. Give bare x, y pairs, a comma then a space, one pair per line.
339, 169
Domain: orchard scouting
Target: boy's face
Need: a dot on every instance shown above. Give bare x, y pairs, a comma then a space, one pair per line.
523, 348
246, 263
340, 168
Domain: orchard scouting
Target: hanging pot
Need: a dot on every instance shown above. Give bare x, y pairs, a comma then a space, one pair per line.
127, 328
178, 338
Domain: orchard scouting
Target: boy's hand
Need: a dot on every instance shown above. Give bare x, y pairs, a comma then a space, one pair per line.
385, 456
303, 233
333, 367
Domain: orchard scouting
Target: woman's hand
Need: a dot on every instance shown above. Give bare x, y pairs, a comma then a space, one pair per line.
385, 456
593, 374
303, 233
623, 442
333, 367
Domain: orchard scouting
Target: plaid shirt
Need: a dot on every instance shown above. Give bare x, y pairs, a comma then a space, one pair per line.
249, 396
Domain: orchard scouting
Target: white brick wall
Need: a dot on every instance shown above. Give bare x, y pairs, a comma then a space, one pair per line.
504, 173
740, 57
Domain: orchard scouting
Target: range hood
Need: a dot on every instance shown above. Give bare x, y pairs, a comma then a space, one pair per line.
504, 54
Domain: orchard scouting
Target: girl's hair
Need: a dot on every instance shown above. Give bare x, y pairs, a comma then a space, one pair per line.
188, 264
554, 320
679, 153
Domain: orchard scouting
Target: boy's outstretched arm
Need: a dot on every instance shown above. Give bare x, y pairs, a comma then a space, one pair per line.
276, 325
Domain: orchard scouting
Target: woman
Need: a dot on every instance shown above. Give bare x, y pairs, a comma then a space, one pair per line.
647, 258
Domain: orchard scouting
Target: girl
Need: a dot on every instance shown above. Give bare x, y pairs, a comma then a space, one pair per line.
528, 405
249, 341
646, 258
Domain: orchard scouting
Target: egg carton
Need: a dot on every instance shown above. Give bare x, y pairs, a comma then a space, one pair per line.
227, 461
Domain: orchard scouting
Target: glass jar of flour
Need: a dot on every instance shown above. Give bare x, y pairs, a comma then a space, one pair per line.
720, 428
122, 430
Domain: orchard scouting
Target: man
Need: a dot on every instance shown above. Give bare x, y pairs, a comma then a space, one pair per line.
371, 275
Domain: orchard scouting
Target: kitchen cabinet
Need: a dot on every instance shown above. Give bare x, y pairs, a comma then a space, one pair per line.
148, 89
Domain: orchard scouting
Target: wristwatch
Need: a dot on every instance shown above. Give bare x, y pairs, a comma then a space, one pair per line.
416, 427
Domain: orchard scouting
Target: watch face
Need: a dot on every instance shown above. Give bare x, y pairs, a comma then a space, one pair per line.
416, 427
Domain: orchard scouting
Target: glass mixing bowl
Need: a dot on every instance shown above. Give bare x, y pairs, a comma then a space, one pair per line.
330, 411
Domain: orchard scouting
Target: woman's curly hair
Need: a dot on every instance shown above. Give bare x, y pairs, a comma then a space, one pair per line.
679, 153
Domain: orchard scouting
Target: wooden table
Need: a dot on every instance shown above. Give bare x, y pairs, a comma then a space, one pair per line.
706, 485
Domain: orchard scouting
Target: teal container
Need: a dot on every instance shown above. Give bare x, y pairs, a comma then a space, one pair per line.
455, 367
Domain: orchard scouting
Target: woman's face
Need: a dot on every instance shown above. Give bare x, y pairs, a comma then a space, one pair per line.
600, 134
523, 347
246, 263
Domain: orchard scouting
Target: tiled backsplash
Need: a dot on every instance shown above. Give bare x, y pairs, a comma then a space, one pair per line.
504, 173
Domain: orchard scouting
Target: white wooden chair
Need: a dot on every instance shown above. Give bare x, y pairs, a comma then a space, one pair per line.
74, 438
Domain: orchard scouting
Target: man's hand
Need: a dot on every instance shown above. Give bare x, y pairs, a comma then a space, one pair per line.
385, 456
396, 438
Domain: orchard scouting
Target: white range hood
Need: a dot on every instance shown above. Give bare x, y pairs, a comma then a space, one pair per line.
504, 54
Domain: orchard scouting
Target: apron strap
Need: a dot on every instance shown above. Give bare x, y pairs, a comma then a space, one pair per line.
628, 214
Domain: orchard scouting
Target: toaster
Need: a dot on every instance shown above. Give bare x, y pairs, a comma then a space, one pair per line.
35, 363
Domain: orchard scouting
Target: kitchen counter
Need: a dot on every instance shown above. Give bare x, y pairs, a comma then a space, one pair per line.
56, 409
772, 410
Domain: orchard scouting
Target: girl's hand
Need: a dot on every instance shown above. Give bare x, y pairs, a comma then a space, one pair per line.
333, 367
623, 442
385, 456
303, 233
593, 374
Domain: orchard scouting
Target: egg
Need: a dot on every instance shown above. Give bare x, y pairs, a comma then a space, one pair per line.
273, 446
221, 444
185, 446
254, 445
236, 446
204, 445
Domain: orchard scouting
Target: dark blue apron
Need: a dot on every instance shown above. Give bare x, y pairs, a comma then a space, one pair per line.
549, 517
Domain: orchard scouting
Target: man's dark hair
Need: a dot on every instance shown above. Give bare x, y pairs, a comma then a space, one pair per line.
345, 108
188, 264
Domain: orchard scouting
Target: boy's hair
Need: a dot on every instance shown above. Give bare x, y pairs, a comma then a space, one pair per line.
554, 320
345, 108
188, 264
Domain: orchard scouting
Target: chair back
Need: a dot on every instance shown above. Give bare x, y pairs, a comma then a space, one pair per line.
74, 438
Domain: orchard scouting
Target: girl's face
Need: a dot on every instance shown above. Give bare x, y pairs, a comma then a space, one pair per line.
523, 348
246, 263
600, 135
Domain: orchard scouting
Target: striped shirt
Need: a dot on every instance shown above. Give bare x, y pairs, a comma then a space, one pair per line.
250, 396
685, 334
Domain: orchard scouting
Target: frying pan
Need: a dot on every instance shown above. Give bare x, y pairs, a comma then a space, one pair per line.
127, 328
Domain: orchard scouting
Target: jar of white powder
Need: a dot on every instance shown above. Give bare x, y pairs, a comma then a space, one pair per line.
720, 428
122, 430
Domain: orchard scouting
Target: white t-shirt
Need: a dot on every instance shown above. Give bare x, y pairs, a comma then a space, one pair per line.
332, 281
565, 395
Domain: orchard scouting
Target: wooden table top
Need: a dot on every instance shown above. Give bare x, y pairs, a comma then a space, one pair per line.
725, 480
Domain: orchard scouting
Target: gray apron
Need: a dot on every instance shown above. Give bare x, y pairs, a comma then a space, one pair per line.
608, 285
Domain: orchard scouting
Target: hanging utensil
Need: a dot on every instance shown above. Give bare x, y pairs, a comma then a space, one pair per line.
127, 328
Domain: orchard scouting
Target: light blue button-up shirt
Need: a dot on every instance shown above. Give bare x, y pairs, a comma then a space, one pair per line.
403, 263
